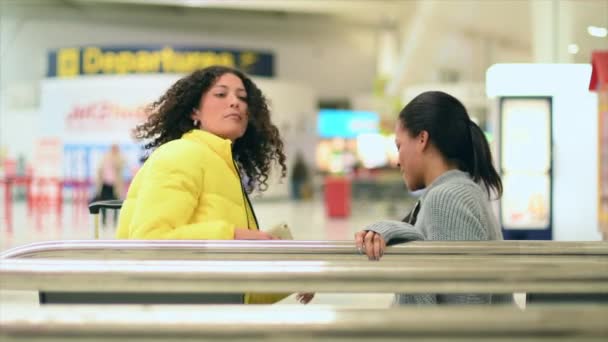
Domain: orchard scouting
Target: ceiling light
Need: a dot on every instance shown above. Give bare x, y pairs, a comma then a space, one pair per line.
600, 32
573, 49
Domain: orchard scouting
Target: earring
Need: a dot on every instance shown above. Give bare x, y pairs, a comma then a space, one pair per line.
195, 122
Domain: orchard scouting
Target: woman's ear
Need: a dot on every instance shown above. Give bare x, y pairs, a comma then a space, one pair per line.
195, 114
423, 140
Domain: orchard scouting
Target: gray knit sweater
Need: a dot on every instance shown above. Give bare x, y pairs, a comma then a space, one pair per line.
453, 207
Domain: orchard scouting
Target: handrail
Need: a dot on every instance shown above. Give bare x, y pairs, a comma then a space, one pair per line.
416, 276
96, 206
261, 323
179, 249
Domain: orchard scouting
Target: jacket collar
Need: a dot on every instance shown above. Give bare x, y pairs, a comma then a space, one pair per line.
221, 146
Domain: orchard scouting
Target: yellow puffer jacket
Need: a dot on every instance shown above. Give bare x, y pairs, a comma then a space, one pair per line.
189, 189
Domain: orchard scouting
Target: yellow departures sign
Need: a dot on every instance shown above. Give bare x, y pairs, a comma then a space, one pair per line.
71, 62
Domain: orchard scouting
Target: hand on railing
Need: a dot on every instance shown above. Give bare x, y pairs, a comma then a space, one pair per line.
247, 234
370, 243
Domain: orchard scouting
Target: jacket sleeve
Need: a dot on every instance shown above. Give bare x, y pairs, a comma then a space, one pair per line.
169, 196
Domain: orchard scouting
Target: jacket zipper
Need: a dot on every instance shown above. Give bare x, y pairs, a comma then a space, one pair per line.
246, 197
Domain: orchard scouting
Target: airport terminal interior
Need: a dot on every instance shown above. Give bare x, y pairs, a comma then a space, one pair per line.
78, 76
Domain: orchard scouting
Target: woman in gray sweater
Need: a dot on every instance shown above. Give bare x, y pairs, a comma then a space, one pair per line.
443, 151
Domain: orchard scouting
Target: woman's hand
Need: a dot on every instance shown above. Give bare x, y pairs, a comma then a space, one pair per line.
305, 297
249, 234
370, 243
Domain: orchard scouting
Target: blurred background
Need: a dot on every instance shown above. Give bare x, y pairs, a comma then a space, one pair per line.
76, 74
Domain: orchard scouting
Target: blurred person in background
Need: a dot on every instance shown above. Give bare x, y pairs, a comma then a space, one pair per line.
442, 151
300, 181
109, 181
21, 172
208, 131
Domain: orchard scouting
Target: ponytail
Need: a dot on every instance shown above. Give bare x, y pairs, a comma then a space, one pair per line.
480, 166
452, 132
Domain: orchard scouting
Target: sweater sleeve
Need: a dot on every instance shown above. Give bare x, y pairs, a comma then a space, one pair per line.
394, 232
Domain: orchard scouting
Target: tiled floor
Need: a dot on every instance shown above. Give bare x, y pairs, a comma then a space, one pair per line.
306, 219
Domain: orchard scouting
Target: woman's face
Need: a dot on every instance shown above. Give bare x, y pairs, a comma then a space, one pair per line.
223, 108
410, 157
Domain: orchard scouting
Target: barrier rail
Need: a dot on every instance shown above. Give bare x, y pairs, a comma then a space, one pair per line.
288, 323
511, 256
193, 250
447, 275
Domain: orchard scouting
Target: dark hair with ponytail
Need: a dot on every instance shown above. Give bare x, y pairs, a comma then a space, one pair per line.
453, 133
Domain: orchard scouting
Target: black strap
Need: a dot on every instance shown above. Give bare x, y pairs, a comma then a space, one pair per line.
413, 215
246, 200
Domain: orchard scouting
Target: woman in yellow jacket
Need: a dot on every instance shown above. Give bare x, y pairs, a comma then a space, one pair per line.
209, 129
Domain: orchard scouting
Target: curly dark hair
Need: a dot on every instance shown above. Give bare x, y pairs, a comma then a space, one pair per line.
170, 117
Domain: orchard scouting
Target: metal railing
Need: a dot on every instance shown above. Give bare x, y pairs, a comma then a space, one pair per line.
311, 250
548, 271
442, 274
288, 323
